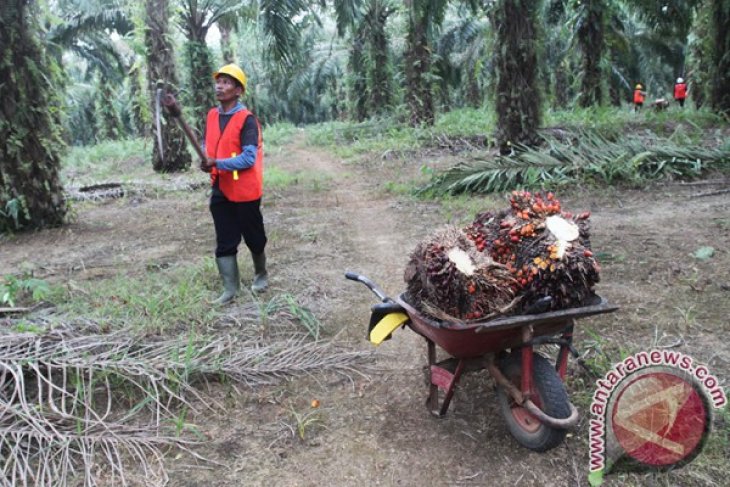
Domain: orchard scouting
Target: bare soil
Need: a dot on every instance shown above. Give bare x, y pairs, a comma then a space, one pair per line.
375, 429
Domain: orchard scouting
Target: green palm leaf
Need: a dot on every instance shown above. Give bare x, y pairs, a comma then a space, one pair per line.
587, 156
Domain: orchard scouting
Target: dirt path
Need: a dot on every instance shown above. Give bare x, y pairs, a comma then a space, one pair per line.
377, 431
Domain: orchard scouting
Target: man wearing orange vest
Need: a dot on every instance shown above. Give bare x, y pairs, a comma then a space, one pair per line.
639, 96
235, 150
680, 91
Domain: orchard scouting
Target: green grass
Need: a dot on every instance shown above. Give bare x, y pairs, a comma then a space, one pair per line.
616, 122
277, 178
168, 300
25, 289
153, 302
112, 160
462, 209
278, 134
348, 140
380, 136
466, 122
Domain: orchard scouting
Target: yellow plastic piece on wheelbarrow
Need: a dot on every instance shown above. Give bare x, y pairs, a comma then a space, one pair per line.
386, 326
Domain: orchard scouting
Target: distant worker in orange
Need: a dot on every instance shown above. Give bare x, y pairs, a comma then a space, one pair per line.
680, 91
639, 96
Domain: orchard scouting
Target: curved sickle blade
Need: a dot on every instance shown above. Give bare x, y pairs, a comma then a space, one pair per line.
158, 124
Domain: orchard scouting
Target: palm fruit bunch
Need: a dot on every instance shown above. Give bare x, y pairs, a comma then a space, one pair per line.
450, 279
546, 250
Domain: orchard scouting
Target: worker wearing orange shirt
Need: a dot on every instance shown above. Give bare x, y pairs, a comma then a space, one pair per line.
639, 96
680, 91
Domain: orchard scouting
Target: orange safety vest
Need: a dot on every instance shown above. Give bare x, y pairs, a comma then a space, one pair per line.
244, 184
638, 96
680, 91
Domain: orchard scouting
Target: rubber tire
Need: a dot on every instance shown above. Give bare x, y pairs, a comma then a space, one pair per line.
553, 400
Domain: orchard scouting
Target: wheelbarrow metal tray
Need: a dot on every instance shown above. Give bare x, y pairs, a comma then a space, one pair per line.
475, 339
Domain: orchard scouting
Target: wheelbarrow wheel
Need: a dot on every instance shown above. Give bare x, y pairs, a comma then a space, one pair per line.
548, 393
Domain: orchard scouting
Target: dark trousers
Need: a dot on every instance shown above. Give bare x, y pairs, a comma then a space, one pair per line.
681, 102
234, 220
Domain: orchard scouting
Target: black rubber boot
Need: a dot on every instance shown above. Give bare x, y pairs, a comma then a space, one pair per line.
261, 277
228, 270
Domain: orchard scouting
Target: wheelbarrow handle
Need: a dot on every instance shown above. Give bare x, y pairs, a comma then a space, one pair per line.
353, 276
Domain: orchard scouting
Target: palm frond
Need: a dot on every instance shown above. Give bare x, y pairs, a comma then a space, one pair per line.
587, 156
347, 12
75, 402
282, 31
66, 33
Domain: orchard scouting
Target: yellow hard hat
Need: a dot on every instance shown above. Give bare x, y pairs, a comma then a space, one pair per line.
638, 87
234, 72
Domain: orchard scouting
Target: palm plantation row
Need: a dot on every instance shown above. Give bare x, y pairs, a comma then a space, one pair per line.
83, 71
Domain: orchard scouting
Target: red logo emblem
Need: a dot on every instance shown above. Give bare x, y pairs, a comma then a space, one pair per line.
660, 418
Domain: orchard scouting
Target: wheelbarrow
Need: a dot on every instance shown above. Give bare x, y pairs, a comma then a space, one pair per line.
530, 390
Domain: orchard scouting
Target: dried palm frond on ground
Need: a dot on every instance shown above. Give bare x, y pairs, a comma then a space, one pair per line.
546, 249
449, 278
101, 191
75, 403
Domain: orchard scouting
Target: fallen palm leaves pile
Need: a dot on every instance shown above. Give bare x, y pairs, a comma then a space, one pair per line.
530, 257
580, 156
81, 406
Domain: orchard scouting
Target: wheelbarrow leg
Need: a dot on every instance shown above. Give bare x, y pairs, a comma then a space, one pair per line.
433, 396
561, 365
526, 380
441, 378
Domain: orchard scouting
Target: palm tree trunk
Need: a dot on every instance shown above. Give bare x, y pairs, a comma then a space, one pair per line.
358, 92
226, 45
518, 96
108, 123
200, 71
699, 65
418, 65
591, 40
139, 106
561, 86
721, 80
31, 195
161, 67
473, 91
381, 92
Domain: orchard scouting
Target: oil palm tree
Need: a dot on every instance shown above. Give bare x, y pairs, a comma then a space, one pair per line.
196, 17
423, 16
81, 34
518, 98
31, 195
279, 26
376, 18
590, 28
172, 156
720, 92
462, 64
